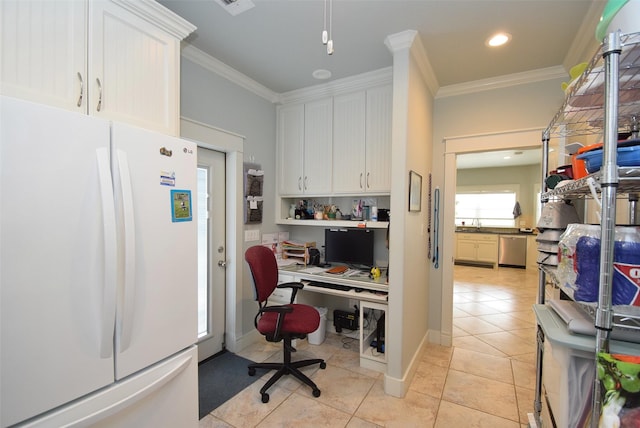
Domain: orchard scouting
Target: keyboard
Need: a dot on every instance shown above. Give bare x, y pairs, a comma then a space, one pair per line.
329, 285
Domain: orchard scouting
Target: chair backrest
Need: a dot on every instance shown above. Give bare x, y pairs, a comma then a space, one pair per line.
264, 270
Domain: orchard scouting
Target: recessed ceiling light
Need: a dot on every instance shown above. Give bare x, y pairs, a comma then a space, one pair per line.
321, 74
507, 157
498, 39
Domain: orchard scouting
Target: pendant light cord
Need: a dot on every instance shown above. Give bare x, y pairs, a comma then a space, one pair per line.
330, 42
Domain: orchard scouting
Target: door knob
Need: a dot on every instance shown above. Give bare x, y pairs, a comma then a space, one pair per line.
222, 263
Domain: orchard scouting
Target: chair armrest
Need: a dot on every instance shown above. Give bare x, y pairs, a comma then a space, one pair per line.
281, 310
294, 286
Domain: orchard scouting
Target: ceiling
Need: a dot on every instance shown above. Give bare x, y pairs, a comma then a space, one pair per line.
277, 43
500, 158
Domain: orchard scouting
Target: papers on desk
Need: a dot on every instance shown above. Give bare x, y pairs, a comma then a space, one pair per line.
312, 269
286, 262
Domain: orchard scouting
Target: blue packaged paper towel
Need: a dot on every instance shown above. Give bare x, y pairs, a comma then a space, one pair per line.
626, 271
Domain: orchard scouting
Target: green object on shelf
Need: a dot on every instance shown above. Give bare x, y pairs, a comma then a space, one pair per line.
610, 10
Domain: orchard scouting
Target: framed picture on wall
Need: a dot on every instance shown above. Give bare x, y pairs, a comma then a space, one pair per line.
415, 191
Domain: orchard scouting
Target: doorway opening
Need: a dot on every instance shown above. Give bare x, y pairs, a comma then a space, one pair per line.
454, 147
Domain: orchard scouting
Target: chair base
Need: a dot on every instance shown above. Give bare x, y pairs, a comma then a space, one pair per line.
285, 368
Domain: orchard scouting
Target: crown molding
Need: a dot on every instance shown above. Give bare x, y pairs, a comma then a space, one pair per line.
362, 81
347, 84
541, 74
409, 41
421, 58
216, 66
158, 15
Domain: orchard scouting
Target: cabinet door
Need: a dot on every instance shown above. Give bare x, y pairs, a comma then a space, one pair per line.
133, 69
378, 152
465, 250
349, 143
43, 52
318, 135
487, 251
290, 148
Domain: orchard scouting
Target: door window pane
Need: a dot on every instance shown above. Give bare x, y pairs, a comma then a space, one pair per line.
203, 252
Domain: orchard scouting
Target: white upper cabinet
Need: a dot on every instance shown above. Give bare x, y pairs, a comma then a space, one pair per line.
291, 149
318, 135
304, 146
116, 59
362, 142
44, 50
349, 135
378, 139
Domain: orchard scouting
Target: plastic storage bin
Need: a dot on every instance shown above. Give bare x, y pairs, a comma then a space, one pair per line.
318, 336
628, 155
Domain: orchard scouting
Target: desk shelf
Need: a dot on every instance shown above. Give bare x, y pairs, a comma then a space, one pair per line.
370, 358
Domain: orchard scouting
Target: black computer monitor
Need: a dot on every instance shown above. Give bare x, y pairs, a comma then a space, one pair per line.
352, 247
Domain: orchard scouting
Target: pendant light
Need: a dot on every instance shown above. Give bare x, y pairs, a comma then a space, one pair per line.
327, 36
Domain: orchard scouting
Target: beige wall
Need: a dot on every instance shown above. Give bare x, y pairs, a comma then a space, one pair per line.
411, 150
522, 107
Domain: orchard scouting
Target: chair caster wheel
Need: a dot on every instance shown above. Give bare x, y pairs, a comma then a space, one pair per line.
316, 393
265, 397
252, 371
323, 365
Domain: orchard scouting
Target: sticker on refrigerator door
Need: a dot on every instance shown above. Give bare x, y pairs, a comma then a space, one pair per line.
168, 178
181, 205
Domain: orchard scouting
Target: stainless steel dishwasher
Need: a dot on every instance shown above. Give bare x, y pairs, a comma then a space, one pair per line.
512, 251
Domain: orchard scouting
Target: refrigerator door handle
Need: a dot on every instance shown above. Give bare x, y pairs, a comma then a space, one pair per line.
126, 318
108, 310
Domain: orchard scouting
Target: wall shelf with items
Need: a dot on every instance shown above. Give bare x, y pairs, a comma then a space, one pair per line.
285, 213
603, 101
335, 223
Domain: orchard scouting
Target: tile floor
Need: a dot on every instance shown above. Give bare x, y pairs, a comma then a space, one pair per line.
485, 380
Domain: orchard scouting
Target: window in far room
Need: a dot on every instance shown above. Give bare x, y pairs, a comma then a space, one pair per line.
485, 207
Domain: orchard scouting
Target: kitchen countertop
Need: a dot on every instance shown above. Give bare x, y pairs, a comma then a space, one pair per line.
493, 231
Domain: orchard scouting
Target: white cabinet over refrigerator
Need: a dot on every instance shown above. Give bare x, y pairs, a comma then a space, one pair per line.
115, 59
97, 272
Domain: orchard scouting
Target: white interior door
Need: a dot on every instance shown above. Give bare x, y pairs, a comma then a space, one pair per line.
211, 252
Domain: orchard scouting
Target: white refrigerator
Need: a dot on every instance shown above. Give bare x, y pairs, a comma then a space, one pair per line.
98, 272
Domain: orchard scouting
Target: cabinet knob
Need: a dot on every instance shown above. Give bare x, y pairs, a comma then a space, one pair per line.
368, 180
361, 181
299, 183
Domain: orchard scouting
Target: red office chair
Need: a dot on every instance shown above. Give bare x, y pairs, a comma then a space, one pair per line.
281, 322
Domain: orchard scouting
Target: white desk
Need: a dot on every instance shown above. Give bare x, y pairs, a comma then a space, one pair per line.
371, 294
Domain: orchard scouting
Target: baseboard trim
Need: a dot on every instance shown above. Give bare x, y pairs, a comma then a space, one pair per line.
398, 387
237, 344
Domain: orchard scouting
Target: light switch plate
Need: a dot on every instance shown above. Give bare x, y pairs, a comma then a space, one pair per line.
251, 235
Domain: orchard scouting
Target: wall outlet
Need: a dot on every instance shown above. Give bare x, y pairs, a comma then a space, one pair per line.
251, 235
